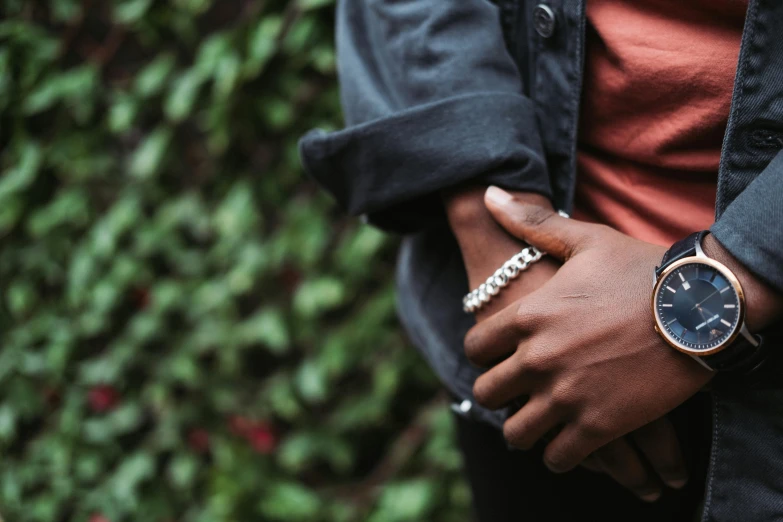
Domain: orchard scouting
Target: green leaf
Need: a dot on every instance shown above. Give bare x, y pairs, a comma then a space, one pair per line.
21, 297
74, 86
134, 470
183, 470
130, 11
314, 4
122, 113
7, 422
319, 295
148, 158
405, 501
290, 502
152, 78
182, 96
267, 327
262, 44
23, 173
312, 382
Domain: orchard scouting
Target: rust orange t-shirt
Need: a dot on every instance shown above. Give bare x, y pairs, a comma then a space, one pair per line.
658, 81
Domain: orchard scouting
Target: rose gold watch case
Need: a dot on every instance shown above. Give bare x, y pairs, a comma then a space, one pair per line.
725, 272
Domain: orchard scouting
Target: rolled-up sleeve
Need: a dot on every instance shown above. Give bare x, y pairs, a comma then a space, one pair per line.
432, 99
751, 227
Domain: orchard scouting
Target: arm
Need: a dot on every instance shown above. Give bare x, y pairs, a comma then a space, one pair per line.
583, 346
432, 100
433, 107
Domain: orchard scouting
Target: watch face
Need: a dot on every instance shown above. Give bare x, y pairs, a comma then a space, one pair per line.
697, 307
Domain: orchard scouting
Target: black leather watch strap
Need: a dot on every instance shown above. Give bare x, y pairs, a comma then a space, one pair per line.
682, 248
739, 357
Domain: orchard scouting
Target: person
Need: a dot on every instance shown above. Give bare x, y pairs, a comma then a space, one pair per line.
613, 350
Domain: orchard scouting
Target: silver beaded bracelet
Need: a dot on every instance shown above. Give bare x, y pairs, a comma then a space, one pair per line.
511, 269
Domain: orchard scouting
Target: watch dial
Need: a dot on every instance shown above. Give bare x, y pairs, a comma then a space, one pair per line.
697, 307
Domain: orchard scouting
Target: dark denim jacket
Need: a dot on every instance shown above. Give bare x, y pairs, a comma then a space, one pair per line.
441, 92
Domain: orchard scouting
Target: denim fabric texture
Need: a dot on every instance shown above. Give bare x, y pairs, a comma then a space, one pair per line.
440, 92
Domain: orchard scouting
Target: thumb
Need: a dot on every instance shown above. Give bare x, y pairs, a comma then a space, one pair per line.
538, 226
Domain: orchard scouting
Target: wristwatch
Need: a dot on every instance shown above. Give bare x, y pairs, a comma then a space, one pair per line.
699, 309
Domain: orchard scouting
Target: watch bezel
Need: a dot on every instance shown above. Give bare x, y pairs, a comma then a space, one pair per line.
730, 277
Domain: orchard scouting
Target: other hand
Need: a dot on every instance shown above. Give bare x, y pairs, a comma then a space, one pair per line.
582, 346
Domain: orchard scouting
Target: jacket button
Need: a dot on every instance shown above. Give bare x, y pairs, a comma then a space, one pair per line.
463, 408
544, 20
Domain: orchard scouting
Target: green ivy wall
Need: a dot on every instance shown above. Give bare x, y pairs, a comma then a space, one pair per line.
189, 330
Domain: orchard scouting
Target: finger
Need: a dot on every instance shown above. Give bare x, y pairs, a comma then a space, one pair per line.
503, 383
659, 444
528, 425
571, 447
593, 464
494, 338
621, 462
539, 226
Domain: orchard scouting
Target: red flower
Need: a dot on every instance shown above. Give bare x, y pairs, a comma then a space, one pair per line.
103, 398
198, 440
97, 517
261, 435
263, 439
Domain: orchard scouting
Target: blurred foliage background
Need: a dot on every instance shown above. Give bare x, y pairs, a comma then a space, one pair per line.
189, 330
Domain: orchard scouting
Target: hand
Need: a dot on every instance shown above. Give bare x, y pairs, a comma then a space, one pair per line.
656, 443
485, 246
582, 346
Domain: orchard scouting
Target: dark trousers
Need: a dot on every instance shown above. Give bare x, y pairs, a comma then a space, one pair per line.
510, 485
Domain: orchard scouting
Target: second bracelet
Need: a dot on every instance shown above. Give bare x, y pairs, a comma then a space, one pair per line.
511, 269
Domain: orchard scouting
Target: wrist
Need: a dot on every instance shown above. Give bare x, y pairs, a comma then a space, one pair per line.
485, 246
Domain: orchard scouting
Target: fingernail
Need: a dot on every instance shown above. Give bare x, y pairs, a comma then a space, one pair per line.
677, 483
498, 196
552, 467
651, 497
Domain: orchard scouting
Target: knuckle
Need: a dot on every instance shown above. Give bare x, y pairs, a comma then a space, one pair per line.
537, 362
563, 396
517, 434
592, 428
482, 392
527, 316
512, 433
472, 347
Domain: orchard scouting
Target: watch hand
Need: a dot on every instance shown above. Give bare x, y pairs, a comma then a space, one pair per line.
700, 302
